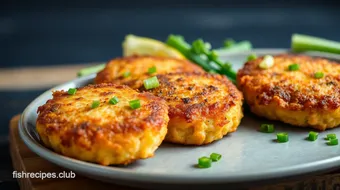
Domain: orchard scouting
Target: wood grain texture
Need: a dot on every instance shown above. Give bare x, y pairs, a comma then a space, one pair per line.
25, 160
28, 78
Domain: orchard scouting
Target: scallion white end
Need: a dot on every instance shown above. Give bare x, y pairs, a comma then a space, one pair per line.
267, 62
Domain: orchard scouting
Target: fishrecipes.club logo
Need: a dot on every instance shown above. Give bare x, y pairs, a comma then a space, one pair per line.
44, 175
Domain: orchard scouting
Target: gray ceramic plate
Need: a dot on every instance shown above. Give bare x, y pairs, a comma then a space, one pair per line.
248, 155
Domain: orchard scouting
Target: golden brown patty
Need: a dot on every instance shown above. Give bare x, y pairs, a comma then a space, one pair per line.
138, 67
294, 97
202, 107
108, 134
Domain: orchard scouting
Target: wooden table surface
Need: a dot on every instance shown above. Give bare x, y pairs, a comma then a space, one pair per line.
32, 78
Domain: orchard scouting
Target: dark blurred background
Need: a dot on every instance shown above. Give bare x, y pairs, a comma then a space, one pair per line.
61, 32
37, 33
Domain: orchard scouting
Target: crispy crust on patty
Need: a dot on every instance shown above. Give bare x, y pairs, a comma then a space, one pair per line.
138, 67
202, 107
293, 92
108, 134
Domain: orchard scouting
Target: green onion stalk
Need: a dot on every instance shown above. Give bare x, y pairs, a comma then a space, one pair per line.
301, 43
199, 52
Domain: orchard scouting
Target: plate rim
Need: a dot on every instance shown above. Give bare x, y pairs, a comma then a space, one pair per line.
117, 173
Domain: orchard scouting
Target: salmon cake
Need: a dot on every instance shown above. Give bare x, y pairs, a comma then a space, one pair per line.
100, 124
133, 70
295, 89
202, 107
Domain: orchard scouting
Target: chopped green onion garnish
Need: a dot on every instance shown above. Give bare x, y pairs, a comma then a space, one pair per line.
318, 75
331, 136
215, 157
213, 55
126, 74
267, 128
95, 104
294, 67
151, 82
114, 100
204, 162
251, 57
134, 104
236, 47
267, 62
152, 70
282, 137
302, 42
182, 46
313, 136
333, 142
228, 43
200, 53
207, 45
72, 91
198, 46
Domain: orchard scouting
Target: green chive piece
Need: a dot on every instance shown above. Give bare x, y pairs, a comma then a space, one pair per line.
151, 82
318, 75
126, 74
200, 53
95, 104
267, 62
332, 142
199, 47
236, 47
213, 55
267, 128
152, 70
207, 45
204, 162
294, 67
282, 137
72, 91
215, 157
301, 42
251, 57
114, 100
229, 43
313, 136
134, 104
331, 136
